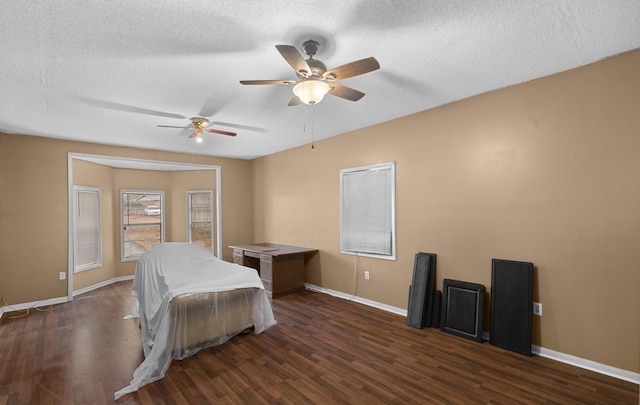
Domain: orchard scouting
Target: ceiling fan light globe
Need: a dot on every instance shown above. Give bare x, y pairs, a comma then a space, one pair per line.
199, 139
311, 91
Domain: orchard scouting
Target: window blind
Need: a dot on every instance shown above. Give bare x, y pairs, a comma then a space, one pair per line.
367, 210
87, 228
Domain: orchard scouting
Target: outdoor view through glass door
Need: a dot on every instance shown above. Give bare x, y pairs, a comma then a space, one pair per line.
200, 218
142, 221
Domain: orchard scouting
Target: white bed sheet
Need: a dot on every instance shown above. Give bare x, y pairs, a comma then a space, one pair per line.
173, 269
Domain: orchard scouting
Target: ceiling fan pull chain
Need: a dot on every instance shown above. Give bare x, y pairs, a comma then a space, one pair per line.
304, 123
312, 145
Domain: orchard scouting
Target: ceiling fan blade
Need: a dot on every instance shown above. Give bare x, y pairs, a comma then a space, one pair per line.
211, 105
276, 82
217, 131
238, 126
187, 132
294, 101
295, 59
130, 108
170, 126
356, 68
345, 92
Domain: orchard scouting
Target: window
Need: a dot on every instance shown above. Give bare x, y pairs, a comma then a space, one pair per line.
87, 228
368, 210
200, 218
142, 216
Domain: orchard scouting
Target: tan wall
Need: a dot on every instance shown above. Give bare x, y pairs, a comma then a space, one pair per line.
34, 210
547, 172
33, 219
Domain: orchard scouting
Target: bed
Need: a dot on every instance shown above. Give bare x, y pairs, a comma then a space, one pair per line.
188, 300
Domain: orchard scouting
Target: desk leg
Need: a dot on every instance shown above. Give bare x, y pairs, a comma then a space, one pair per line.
288, 274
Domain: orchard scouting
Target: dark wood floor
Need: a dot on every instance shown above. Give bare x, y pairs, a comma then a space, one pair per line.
323, 350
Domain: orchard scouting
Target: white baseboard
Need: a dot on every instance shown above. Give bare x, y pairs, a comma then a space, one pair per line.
355, 298
540, 351
587, 364
30, 305
59, 300
101, 284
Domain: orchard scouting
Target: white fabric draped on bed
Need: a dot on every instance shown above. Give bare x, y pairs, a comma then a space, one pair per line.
185, 276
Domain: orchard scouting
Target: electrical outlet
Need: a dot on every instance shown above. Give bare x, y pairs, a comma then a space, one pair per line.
62, 275
366, 275
537, 308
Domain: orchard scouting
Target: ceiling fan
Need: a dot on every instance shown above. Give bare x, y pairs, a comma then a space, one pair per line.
198, 126
315, 80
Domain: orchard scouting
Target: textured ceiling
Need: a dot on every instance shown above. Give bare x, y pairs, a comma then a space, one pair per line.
111, 71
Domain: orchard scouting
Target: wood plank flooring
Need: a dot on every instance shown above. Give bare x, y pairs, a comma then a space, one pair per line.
324, 350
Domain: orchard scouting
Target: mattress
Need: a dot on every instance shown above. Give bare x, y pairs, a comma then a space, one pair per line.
209, 319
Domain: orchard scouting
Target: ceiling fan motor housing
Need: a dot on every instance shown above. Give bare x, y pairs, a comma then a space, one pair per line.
318, 68
198, 121
310, 47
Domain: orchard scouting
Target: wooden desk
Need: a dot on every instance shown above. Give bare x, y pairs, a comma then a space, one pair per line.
281, 267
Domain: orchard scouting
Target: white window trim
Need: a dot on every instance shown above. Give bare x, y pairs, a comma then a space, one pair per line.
211, 213
89, 266
163, 225
375, 167
134, 163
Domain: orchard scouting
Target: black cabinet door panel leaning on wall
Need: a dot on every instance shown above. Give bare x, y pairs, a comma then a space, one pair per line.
421, 292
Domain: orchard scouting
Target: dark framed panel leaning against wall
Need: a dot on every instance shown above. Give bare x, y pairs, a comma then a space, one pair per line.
462, 309
511, 305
